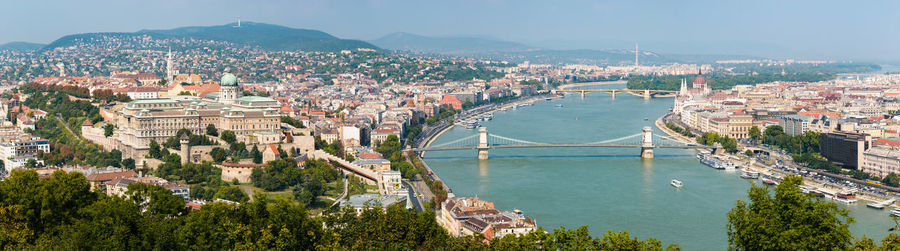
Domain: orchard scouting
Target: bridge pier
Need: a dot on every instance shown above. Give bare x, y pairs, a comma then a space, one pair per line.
647, 143
646, 94
482, 141
582, 94
614, 94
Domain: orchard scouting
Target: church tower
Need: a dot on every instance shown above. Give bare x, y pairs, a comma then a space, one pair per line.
683, 91
230, 89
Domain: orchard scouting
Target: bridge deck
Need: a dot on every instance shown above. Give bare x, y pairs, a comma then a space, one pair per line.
558, 145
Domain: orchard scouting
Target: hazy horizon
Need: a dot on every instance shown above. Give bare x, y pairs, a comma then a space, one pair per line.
812, 29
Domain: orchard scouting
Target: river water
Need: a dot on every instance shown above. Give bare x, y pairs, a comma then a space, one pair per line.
605, 188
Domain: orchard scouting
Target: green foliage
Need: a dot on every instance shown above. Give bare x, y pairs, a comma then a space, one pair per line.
444, 113
335, 148
755, 134
891, 179
291, 121
315, 175
68, 148
211, 130
256, 154
803, 143
218, 154
276, 175
710, 138
150, 218
192, 173
789, 220
155, 150
752, 75
682, 131
128, 163
228, 136
232, 193
155, 200
108, 130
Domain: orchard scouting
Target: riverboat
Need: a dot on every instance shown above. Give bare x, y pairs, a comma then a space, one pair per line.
676, 183
880, 205
471, 125
750, 174
768, 181
895, 211
845, 197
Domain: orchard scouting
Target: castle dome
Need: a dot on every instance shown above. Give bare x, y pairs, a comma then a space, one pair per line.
229, 80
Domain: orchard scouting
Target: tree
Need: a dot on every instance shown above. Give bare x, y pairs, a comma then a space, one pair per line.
154, 150
791, 220
128, 163
748, 152
218, 154
892, 179
228, 136
211, 130
108, 130
155, 200
754, 133
232, 193
257, 155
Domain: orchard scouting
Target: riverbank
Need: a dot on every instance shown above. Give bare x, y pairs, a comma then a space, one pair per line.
769, 171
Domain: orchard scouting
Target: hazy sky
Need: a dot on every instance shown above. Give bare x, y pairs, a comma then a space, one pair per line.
865, 29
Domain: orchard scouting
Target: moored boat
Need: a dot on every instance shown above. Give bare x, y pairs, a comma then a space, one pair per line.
895, 211
768, 181
750, 174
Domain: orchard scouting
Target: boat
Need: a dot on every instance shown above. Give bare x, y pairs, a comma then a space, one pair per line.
768, 181
471, 125
676, 183
750, 174
880, 205
645, 119
845, 197
559, 105
895, 212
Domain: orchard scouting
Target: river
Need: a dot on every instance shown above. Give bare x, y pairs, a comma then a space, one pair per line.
605, 188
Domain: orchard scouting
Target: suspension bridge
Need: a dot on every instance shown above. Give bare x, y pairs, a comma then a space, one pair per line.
483, 141
640, 93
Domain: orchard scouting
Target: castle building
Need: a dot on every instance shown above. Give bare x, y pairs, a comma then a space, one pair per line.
142, 121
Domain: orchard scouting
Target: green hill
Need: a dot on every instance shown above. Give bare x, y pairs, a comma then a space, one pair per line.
20, 46
266, 36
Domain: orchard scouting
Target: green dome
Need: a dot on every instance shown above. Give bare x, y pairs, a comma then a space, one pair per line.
229, 80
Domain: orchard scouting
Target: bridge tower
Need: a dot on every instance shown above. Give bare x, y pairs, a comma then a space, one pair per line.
482, 143
582, 94
646, 94
647, 143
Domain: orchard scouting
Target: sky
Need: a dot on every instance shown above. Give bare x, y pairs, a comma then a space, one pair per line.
816, 29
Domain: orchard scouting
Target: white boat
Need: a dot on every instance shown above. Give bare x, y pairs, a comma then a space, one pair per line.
749, 174
768, 181
880, 205
895, 211
676, 183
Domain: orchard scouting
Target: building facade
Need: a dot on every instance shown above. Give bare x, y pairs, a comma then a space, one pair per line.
844, 148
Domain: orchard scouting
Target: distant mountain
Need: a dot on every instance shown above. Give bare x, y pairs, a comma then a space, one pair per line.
459, 45
20, 46
266, 36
